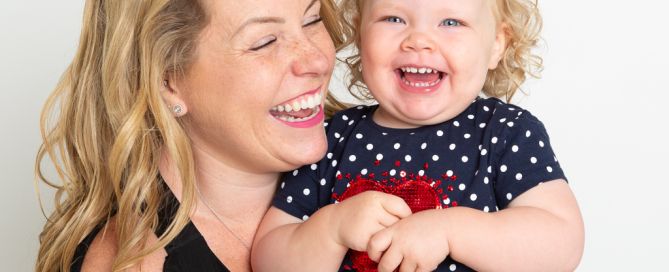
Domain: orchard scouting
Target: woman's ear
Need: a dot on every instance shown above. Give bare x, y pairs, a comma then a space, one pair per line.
173, 98
499, 46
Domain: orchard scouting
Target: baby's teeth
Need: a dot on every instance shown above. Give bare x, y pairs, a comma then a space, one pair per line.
421, 70
428, 70
414, 70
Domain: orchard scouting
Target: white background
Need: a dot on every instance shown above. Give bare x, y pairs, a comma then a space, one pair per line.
602, 98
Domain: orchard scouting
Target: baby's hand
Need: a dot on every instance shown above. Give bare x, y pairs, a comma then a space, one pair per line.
417, 243
356, 219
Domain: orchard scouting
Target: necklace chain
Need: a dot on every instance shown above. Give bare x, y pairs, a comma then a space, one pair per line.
241, 241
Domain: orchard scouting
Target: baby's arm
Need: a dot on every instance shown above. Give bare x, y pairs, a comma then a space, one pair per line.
286, 243
541, 230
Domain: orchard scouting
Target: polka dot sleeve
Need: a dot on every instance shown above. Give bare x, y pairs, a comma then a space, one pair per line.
298, 193
525, 158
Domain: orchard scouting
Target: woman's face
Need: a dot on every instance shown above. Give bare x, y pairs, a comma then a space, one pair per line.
256, 62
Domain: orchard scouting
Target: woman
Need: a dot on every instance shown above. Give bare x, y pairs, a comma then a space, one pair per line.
173, 123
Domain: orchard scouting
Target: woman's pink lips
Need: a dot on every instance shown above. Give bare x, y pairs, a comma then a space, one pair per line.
313, 121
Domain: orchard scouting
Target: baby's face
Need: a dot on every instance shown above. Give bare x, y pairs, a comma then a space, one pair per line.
425, 61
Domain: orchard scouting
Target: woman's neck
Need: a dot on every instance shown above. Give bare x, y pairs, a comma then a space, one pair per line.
232, 192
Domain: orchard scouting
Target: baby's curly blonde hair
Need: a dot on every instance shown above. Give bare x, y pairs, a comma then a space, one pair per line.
523, 22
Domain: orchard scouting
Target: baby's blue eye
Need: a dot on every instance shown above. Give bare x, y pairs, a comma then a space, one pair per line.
450, 22
394, 19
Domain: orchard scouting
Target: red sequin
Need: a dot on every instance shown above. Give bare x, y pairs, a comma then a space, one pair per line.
377, 162
454, 203
425, 166
418, 194
398, 163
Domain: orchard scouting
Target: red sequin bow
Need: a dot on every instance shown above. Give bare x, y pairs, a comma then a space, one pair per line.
418, 194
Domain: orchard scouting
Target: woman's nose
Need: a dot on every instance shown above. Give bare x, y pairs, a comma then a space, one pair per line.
310, 59
417, 41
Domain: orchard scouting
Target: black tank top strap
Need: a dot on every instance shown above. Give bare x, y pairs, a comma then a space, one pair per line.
188, 251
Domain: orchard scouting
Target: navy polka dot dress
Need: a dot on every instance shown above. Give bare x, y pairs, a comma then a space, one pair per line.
483, 158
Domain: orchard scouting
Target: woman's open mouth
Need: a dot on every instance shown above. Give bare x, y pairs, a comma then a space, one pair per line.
303, 111
420, 78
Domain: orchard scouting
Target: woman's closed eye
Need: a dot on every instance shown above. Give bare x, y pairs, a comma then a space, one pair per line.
262, 43
312, 20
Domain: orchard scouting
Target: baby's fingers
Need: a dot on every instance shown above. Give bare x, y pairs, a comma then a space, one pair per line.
390, 260
379, 243
396, 206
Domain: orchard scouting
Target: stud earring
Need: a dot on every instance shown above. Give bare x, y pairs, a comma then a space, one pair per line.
177, 109
165, 82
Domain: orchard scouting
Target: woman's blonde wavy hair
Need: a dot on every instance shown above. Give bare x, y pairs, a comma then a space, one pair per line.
524, 25
105, 124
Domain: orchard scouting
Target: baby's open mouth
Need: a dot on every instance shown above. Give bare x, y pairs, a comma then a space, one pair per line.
300, 109
420, 76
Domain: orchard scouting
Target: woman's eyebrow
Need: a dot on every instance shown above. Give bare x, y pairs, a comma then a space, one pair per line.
310, 5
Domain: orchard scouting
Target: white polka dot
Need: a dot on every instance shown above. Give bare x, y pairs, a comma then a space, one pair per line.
341, 139
452, 267
407, 158
462, 187
528, 134
370, 146
421, 173
289, 199
283, 184
351, 122
435, 158
473, 197
334, 163
484, 152
482, 125
509, 196
555, 159
364, 116
314, 167
423, 146
549, 169
384, 133
352, 158
502, 120
329, 155
465, 159
471, 117
344, 117
295, 173
379, 156
447, 201
486, 180
494, 140
440, 133
337, 135
306, 191
520, 113
451, 147
512, 108
305, 217
541, 143
323, 182
489, 169
467, 136
363, 171
325, 124
358, 136
533, 160
393, 172
486, 209
456, 123
510, 124
396, 146
480, 146
449, 173
519, 176
485, 108
503, 168
514, 148
359, 107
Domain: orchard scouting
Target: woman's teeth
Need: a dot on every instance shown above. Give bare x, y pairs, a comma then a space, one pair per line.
302, 103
